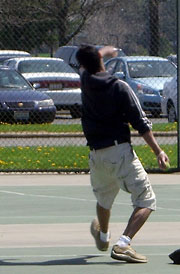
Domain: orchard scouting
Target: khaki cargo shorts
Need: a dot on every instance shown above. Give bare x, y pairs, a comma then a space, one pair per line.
118, 167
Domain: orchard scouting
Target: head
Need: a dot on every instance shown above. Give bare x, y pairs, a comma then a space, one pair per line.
90, 58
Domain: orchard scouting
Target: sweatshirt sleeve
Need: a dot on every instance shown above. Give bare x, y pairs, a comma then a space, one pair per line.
131, 108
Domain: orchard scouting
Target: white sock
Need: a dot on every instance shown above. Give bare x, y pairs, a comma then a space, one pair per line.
104, 237
123, 241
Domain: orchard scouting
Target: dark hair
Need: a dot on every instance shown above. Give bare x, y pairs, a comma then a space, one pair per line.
89, 57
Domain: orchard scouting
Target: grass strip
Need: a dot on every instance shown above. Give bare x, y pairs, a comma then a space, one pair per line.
40, 128
68, 157
165, 127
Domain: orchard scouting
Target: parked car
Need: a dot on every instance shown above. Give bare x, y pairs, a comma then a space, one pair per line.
68, 54
172, 58
53, 77
169, 100
20, 102
146, 75
7, 54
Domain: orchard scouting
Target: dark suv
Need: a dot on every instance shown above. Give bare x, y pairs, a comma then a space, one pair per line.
68, 54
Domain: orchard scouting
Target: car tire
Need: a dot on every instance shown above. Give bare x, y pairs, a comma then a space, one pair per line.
156, 114
75, 111
171, 113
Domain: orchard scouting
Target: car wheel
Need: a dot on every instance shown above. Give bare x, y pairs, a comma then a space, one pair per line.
156, 114
171, 113
75, 111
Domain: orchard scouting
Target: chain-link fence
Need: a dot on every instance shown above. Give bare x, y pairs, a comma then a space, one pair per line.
40, 123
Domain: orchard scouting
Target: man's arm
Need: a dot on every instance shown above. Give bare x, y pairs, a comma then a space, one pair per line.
108, 51
162, 158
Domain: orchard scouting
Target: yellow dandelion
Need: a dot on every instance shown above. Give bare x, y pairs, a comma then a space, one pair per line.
2, 162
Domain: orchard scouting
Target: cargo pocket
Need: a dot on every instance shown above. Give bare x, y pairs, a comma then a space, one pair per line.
91, 161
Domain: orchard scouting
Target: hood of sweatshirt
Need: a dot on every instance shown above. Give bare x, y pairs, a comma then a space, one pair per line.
98, 81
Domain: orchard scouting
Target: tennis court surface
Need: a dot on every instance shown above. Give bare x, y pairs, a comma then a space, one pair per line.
45, 219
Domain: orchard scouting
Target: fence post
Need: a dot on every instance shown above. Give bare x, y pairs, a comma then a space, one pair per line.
178, 83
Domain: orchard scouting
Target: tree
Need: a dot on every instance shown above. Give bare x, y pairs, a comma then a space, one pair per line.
139, 27
33, 23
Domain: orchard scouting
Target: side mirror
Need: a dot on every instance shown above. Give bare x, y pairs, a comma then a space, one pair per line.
36, 85
120, 75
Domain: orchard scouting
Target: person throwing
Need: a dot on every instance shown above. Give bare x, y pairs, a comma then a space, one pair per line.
109, 105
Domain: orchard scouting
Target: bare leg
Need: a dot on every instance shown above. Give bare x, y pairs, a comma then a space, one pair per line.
103, 218
136, 221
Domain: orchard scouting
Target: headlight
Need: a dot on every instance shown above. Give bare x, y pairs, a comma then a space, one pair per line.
148, 91
144, 90
45, 103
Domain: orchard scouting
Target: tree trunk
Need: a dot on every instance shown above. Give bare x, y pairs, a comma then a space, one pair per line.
154, 27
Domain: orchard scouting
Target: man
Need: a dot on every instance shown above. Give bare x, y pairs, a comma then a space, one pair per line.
109, 106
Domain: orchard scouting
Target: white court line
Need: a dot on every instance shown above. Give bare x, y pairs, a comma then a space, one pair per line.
73, 199
12, 192
46, 196
54, 197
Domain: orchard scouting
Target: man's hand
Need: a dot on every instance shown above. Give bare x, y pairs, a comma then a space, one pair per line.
108, 51
163, 160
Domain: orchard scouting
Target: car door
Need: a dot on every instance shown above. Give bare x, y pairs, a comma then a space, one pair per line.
120, 70
111, 65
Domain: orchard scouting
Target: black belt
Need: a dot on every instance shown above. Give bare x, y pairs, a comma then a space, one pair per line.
113, 143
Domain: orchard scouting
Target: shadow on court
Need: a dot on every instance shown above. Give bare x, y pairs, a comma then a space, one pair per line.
72, 261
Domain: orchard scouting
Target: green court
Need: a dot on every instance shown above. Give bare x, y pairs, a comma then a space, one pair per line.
45, 219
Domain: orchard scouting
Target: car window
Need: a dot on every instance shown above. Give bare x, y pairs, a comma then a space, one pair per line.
12, 79
73, 59
121, 53
64, 53
120, 67
33, 66
145, 69
10, 63
110, 66
2, 60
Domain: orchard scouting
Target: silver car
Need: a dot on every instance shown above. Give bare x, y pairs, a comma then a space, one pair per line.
169, 100
53, 77
7, 54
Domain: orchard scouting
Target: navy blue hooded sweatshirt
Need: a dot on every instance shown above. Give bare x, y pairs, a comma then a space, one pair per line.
108, 107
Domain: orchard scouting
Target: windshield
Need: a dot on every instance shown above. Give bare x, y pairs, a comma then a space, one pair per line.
12, 79
145, 69
33, 66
